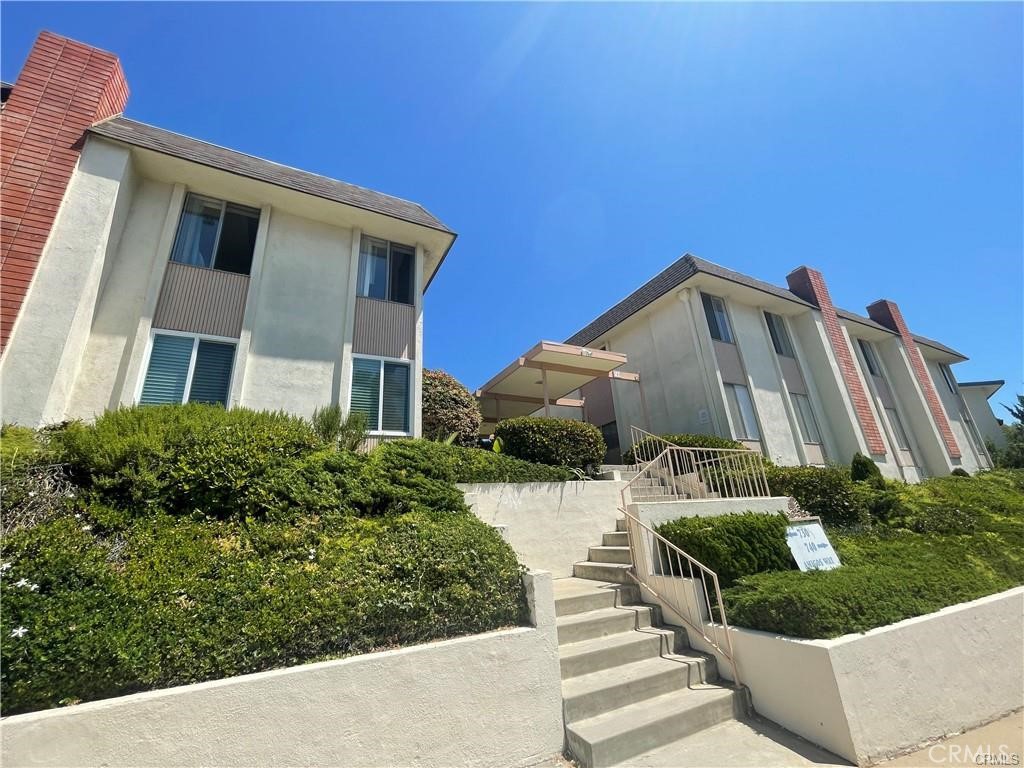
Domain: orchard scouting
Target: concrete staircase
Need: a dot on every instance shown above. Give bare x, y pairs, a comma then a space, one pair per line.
628, 685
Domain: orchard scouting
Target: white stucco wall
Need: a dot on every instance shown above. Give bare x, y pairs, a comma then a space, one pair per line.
119, 308
549, 525
983, 415
869, 696
43, 358
971, 458
490, 699
295, 352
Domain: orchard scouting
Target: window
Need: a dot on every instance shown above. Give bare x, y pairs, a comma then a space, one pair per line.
718, 320
780, 336
386, 270
741, 409
187, 369
869, 358
805, 418
897, 427
214, 234
380, 390
948, 376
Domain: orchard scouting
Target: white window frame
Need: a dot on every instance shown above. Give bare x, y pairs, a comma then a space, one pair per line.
756, 437
220, 226
870, 357
728, 329
800, 418
898, 429
783, 328
947, 374
390, 244
196, 338
380, 392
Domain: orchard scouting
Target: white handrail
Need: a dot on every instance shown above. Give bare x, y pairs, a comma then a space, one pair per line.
645, 445
678, 473
672, 576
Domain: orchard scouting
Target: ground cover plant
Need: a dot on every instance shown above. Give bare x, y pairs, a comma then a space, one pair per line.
189, 543
910, 550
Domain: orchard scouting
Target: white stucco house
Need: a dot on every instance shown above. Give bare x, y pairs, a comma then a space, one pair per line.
783, 371
143, 266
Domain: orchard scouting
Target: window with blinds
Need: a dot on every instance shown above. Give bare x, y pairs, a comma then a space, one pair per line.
187, 369
380, 391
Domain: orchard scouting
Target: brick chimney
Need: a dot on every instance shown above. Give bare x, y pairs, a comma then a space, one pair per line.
810, 286
63, 88
885, 312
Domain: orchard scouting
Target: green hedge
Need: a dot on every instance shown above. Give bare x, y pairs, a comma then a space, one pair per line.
827, 492
733, 545
456, 464
558, 442
864, 469
166, 600
449, 409
649, 446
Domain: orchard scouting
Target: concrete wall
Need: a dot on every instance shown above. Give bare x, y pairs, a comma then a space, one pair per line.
43, 358
972, 459
294, 358
869, 696
490, 699
981, 411
549, 525
658, 512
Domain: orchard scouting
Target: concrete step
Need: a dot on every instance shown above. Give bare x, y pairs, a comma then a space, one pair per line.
611, 737
610, 554
620, 524
586, 696
599, 653
574, 596
600, 623
615, 572
615, 539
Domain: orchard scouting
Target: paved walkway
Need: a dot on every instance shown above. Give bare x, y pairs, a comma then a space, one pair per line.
965, 749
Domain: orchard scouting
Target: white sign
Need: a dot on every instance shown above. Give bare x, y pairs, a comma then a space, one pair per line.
811, 547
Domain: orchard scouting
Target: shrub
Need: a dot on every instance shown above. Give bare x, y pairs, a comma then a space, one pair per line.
345, 432
168, 600
960, 472
33, 488
456, 464
558, 442
827, 492
881, 581
650, 447
863, 469
192, 457
449, 409
733, 545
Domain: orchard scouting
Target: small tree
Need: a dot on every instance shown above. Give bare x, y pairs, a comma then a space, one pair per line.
1012, 455
449, 409
863, 469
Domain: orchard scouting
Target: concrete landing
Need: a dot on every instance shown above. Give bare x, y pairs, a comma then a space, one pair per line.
751, 743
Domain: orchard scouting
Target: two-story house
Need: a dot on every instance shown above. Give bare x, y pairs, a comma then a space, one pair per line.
783, 371
143, 266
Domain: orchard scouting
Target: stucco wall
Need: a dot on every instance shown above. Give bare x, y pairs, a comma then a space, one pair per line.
872, 695
491, 699
549, 525
658, 512
294, 358
40, 365
120, 306
981, 411
970, 459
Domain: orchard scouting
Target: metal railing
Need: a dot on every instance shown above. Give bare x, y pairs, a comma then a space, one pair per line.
683, 584
645, 446
678, 473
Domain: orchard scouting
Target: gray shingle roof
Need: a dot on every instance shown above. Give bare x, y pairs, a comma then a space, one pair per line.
204, 153
685, 268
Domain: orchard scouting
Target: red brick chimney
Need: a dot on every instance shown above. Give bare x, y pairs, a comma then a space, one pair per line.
63, 88
810, 286
885, 312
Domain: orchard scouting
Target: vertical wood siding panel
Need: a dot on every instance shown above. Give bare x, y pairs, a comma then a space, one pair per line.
384, 328
197, 300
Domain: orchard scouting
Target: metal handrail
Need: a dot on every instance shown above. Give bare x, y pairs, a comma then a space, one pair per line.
678, 473
661, 567
645, 445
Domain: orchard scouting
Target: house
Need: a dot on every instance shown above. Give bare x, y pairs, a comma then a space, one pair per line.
976, 395
783, 371
143, 266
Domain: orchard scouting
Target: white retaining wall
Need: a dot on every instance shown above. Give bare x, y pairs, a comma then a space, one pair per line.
490, 699
549, 525
869, 696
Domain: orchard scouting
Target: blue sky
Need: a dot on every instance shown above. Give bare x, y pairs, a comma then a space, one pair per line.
579, 149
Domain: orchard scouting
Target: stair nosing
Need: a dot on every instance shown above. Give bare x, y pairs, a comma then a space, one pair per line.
660, 707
